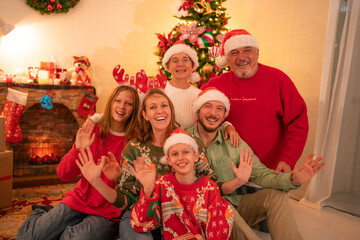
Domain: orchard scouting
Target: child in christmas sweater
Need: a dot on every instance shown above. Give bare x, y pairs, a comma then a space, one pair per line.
187, 206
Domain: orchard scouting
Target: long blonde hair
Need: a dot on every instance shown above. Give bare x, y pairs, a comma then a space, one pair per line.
131, 122
145, 131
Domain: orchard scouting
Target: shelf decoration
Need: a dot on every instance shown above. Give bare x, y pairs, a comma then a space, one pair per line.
52, 6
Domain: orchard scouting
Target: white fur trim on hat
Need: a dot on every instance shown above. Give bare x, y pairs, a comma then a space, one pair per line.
181, 48
211, 94
194, 77
239, 41
179, 138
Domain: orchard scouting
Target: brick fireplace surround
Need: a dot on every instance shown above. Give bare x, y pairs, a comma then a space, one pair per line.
45, 132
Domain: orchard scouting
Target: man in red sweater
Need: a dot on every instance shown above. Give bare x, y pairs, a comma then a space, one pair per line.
268, 111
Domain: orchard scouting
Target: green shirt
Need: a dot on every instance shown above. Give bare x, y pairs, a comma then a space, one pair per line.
220, 154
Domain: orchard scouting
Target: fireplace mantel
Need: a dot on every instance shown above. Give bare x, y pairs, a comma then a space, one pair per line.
66, 99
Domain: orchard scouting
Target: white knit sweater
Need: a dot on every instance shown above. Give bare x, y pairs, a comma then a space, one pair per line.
183, 101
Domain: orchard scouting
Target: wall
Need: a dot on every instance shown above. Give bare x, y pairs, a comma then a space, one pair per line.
291, 34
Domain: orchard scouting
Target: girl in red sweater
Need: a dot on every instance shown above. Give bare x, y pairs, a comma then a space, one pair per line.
84, 213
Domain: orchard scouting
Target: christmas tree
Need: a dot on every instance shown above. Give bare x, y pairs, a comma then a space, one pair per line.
202, 27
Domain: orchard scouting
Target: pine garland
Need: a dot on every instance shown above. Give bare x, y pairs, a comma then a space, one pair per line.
52, 6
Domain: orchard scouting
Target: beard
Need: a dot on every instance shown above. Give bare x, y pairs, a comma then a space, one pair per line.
208, 129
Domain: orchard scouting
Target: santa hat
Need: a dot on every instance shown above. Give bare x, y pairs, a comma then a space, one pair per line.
211, 94
179, 136
181, 47
235, 39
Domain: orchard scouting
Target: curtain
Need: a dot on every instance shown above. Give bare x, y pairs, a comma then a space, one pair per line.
338, 134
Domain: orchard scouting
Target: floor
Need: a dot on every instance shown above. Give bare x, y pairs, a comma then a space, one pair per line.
328, 223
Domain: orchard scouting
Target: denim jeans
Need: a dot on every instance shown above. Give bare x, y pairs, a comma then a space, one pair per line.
64, 223
128, 233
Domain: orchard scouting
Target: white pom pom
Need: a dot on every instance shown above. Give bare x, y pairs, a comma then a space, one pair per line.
163, 161
222, 62
194, 77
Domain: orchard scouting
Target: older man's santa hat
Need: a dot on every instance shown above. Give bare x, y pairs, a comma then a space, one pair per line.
211, 94
181, 47
235, 39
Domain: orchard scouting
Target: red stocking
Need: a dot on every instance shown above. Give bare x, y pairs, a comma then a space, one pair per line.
12, 110
86, 107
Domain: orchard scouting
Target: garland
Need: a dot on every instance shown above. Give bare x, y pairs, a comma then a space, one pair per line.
52, 6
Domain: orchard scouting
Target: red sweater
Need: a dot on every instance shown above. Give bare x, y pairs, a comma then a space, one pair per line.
84, 197
195, 211
268, 113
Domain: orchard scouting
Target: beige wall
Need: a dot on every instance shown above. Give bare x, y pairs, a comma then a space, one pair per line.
291, 34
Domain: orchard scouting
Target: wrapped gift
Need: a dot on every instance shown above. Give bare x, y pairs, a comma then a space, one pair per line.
6, 178
50, 67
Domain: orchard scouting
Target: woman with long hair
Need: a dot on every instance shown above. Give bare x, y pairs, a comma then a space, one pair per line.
157, 121
83, 212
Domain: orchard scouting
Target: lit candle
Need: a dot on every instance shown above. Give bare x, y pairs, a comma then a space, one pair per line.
43, 77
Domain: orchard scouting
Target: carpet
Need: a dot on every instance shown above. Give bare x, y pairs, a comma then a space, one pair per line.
12, 217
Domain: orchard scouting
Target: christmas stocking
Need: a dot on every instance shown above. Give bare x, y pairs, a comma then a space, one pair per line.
86, 107
12, 110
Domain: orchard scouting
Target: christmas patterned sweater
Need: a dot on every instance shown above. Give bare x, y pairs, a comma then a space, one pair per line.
129, 187
195, 211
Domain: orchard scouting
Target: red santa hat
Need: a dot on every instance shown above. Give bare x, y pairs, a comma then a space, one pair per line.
181, 47
179, 136
235, 39
211, 94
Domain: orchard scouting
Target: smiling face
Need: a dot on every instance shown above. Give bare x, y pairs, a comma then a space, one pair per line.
157, 112
182, 157
122, 107
211, 115
244, 61
180, 66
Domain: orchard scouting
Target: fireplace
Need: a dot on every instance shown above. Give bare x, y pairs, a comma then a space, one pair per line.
48, 134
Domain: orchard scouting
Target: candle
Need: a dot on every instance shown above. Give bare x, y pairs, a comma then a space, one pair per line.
43, 77
9, 78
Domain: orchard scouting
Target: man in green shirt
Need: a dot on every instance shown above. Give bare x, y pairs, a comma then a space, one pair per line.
236, 165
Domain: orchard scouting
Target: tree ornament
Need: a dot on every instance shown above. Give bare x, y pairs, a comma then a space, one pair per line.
214, 51
206, 40
202, 7
218, 13
157, 51
52, 6
207, 68
191, 32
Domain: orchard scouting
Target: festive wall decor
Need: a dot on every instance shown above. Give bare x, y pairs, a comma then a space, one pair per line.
202, 27
52, 6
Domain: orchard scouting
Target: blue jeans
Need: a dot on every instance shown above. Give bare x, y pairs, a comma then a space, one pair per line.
64, 223
128, 233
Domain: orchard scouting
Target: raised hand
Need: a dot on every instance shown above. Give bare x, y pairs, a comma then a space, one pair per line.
84, 137
145, 173
112, 169
88, 168
118, 74
243, 172
307, 169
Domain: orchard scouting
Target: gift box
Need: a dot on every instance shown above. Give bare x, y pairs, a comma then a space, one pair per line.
6, 178
50, 67
2, 133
